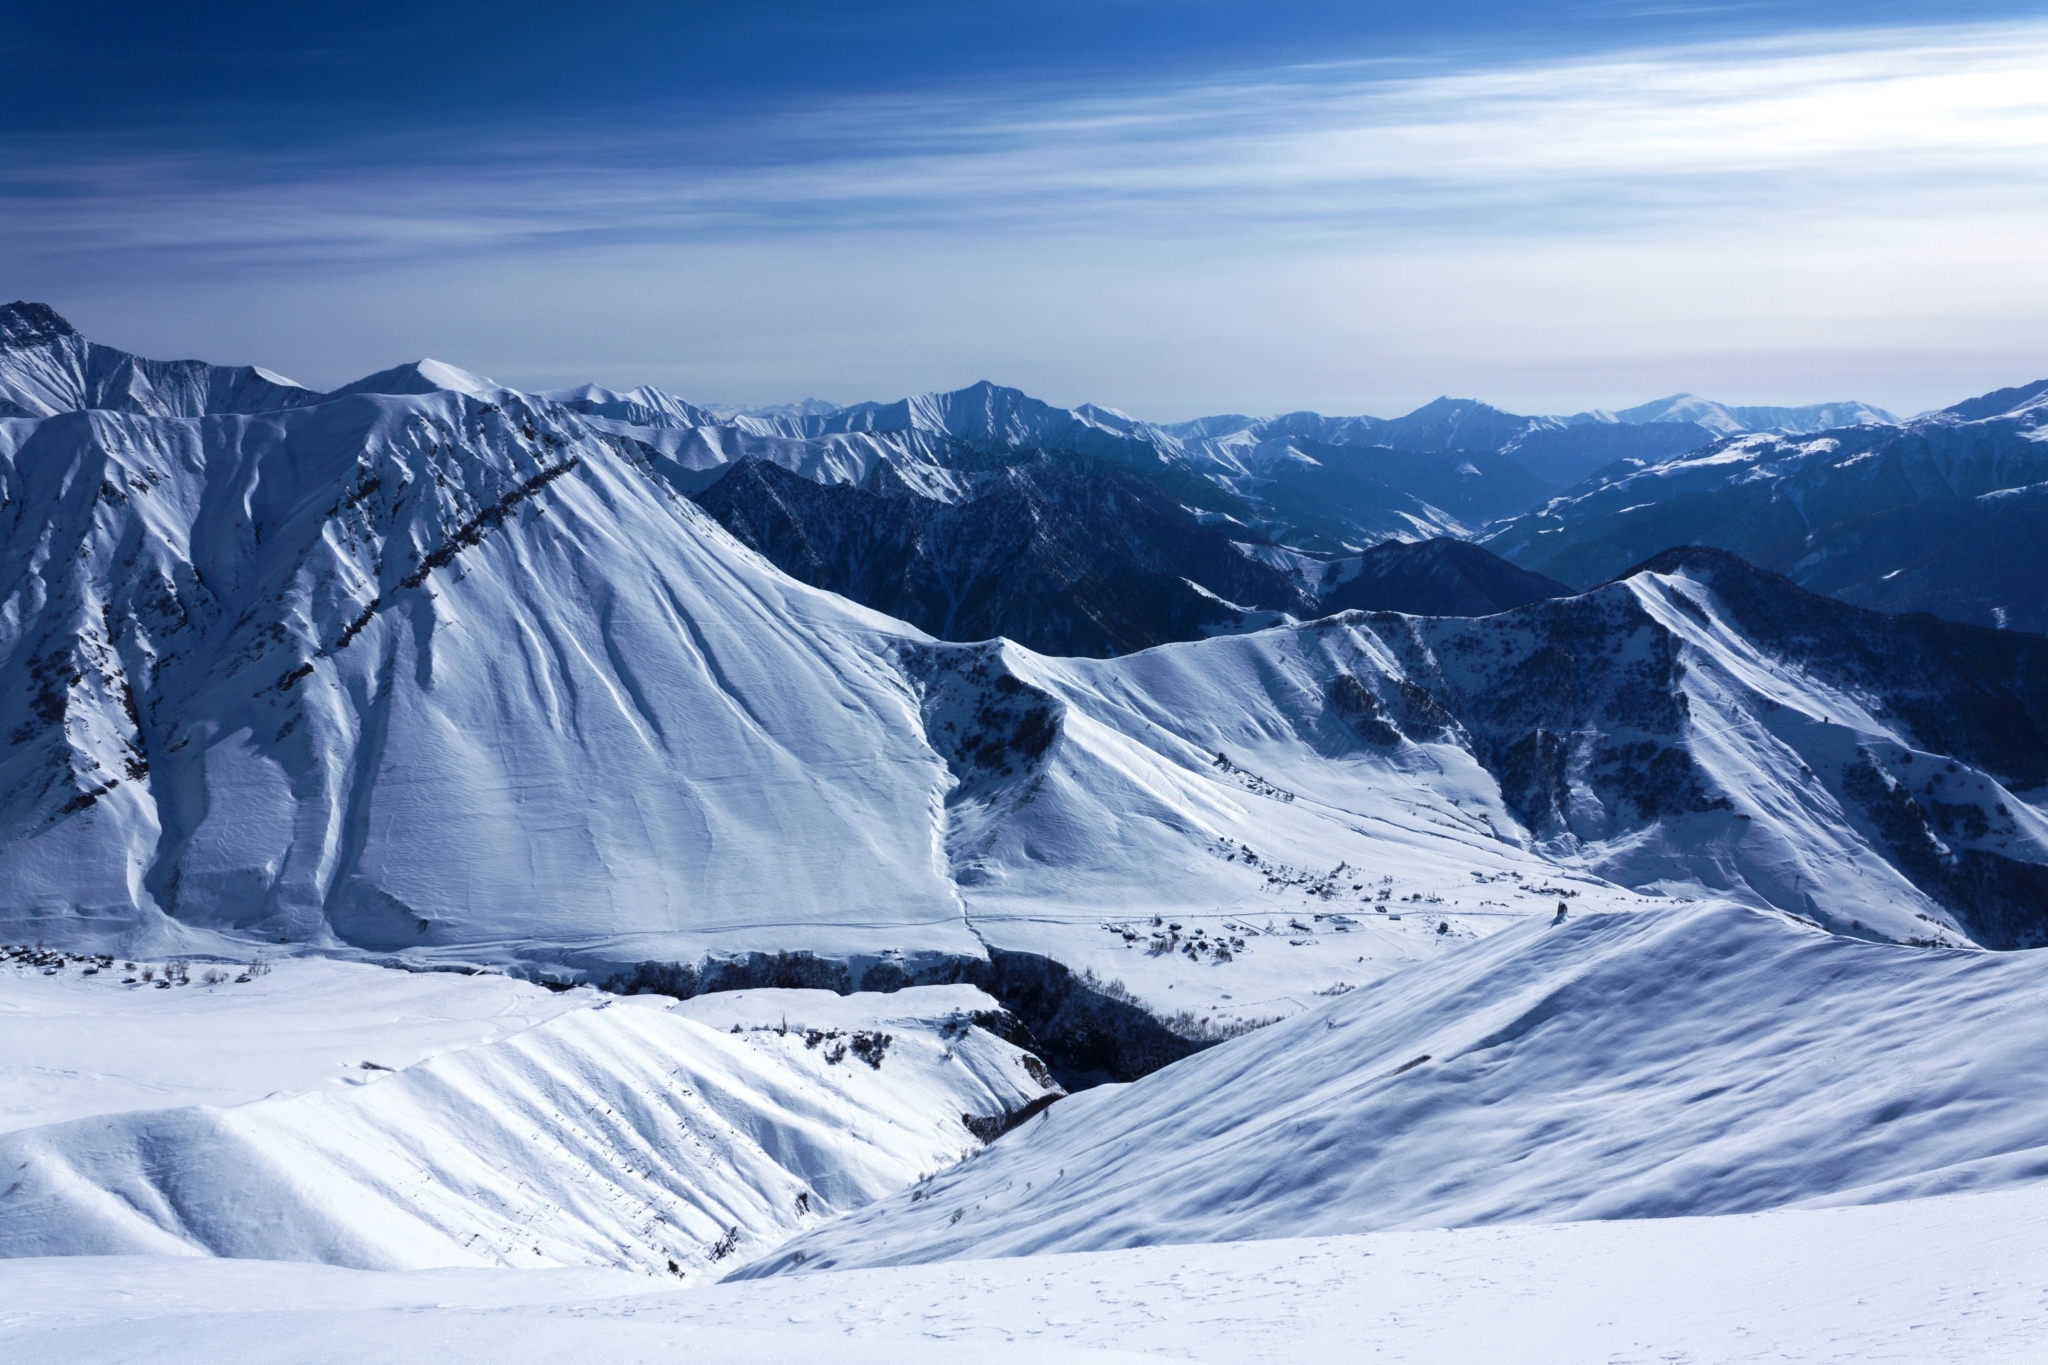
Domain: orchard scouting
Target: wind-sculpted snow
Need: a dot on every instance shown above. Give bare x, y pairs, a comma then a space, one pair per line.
639, 1134
1707, 1060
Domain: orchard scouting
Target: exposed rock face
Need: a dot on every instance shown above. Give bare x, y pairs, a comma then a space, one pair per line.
1434, 578
1063, 555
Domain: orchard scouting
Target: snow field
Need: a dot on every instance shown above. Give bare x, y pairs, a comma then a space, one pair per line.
79, 1045
1936, 1280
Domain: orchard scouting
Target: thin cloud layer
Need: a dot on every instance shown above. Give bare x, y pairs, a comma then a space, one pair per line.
1883, 160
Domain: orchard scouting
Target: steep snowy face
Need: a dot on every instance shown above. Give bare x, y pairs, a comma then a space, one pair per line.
421, 670
47, 367
1708, 1060
1699, 728
1939, 515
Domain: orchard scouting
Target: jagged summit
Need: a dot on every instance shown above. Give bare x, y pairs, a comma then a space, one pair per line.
48, 367
27, 324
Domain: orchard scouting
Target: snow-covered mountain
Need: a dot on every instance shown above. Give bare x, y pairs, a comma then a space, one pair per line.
47, 367
1063, 554
1944, 513
1723, 420
434, 670
1447, 899
1299, 484
1441, 577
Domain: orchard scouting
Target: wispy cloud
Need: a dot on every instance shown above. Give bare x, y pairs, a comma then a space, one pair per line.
1906, 121
1879, 142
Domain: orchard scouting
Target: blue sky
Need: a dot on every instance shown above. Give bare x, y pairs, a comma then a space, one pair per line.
1171, 208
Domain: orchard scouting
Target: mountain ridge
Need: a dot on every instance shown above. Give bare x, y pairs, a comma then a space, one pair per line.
1941, 513
462, 680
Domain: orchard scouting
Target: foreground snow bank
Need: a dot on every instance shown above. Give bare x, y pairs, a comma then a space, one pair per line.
560, 1130
80, 1045
1708, 1060
1943, 1279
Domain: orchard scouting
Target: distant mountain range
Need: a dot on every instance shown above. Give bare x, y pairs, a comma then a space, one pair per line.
1946, 513
430, 668
985, 512
894, 513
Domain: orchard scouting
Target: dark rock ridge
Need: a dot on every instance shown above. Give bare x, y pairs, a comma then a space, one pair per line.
1440, 577
1062, 555
1087, 1031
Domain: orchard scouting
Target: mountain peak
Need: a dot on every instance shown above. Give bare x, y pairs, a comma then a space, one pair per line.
24, 324
1444, 403
422, 376
1998, 402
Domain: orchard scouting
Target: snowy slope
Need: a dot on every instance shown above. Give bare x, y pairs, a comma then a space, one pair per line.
1934, 1280
418, 670
438, 670
1698, 729
46, 367
1607, 1066
526, 1132
81, 1045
